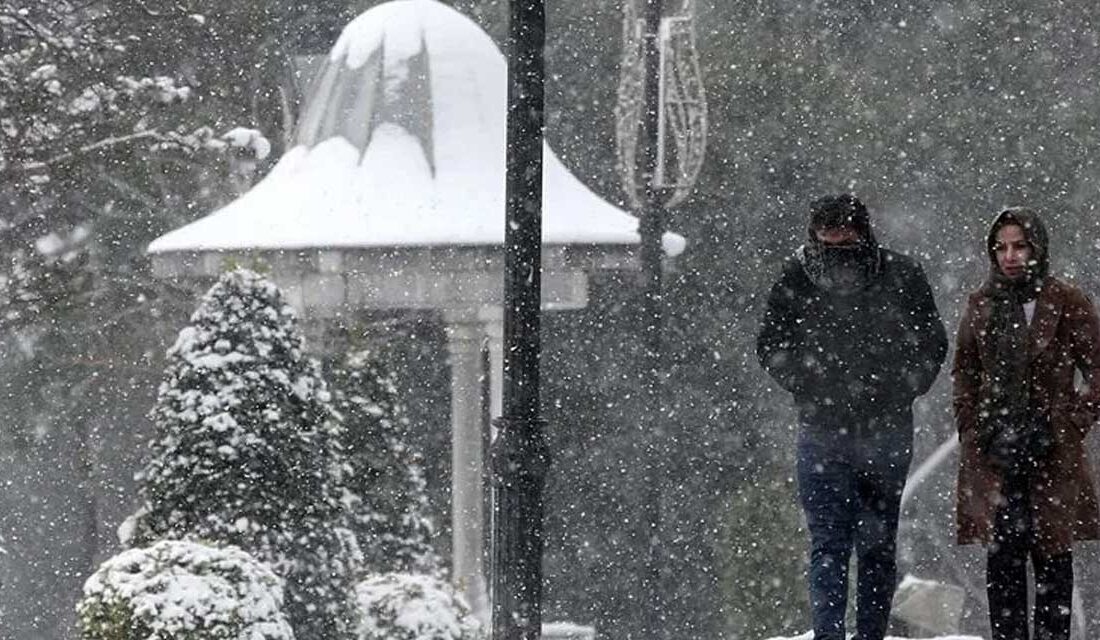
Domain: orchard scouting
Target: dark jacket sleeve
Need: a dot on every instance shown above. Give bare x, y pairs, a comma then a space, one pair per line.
909, 368
779, 342
929, 345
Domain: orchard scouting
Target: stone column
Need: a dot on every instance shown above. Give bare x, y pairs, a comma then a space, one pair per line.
464, 337
492, 318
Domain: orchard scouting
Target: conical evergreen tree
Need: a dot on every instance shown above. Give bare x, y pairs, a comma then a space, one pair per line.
248, 451
386, 486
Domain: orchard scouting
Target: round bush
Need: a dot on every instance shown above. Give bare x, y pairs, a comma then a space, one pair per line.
183, 591
402, 606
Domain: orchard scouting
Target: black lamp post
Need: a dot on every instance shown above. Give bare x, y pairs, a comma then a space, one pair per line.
519, 455
651, 228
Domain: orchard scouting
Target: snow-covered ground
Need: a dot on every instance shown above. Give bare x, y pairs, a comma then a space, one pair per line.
809, 636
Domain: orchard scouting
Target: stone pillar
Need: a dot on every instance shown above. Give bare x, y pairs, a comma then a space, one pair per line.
464, 337
492, 317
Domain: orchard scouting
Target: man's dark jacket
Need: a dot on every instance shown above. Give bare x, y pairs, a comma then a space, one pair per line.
865, 353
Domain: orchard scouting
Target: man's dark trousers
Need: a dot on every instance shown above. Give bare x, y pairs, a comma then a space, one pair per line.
851, 472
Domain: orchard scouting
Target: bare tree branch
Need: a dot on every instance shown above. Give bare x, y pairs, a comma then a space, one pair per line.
161, 14
129, 190
106, 143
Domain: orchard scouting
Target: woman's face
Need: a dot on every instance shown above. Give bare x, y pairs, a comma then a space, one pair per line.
1012, 250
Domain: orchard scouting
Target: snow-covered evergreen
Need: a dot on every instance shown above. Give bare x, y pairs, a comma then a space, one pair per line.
248, 451
386, 485
399, 606
188, 590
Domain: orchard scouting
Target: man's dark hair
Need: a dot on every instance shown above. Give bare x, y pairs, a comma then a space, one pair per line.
844, 210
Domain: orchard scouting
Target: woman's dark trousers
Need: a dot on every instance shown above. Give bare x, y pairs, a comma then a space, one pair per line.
1006, 573
851, 473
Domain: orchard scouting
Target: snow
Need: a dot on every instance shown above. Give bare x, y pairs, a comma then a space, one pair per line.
416, 607
126, 530
567, 631
49, 244
250, 139
929, 605
810, 635
439, 183
177, 589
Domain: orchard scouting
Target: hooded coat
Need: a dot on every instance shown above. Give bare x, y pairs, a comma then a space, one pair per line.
1063, 338
856, 353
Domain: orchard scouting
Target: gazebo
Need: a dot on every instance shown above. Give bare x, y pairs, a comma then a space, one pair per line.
393, 198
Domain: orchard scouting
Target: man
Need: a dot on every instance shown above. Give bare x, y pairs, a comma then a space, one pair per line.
852, 331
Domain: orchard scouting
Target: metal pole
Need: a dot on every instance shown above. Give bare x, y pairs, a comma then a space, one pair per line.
651, 228
520, 456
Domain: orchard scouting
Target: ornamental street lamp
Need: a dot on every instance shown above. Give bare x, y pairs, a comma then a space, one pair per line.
661, 127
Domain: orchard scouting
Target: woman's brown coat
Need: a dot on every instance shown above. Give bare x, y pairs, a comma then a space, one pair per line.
1063, 337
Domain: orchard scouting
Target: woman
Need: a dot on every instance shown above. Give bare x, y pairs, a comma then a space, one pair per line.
1025, 487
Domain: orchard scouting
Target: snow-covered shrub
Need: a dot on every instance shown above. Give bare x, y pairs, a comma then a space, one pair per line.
402, 606
183, 591
386, 486
248, 452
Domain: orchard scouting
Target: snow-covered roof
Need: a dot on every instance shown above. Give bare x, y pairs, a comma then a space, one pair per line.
402, 144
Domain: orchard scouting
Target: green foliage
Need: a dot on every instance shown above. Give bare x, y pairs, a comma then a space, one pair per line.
248, 451
386, 480
109, 620
255, 264
762, 561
